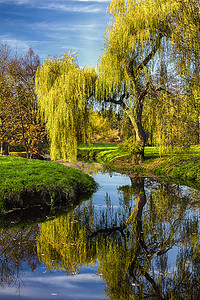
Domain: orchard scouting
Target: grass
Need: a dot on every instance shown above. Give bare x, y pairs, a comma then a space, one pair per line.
185, 167
105, 152
23, 179
195, 149
182, 166
98, 146
87, 151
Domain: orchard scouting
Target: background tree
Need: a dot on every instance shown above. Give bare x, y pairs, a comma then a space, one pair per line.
18, 104
5, 94
27, 129
105, 125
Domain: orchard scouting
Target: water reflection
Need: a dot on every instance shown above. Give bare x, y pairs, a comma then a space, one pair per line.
17, 253
146, 242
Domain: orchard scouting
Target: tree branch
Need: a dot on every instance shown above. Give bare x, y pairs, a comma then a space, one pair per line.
117, 102
152, 53
159, 89
107, 231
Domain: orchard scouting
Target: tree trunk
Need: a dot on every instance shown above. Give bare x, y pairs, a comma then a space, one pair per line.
138, 158
136, 120
136, 216
4, 148
23, 130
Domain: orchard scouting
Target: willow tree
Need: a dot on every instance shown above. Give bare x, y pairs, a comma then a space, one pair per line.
64, 91
138, 35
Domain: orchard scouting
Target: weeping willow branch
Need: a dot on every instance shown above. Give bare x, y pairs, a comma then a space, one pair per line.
64, 91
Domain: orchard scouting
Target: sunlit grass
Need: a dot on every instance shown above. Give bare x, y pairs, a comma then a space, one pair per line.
195, 149
19, 174
91, 151
184, 165
99, 146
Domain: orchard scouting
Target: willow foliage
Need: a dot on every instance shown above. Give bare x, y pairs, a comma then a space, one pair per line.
63, 93
63, 244
136, 29
139, 35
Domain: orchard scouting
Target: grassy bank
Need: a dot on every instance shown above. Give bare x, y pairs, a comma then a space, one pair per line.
182, 166
25, 182
88, 152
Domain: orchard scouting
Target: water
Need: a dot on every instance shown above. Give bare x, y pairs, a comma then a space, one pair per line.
136, 238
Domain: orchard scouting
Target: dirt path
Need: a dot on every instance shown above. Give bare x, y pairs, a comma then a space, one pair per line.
86, 167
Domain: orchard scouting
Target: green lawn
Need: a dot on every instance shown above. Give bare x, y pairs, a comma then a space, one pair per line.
99, 146
19, 176
105, 152
88, 152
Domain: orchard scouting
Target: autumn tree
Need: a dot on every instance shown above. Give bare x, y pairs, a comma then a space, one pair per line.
139, 34
64, 91
27, 129
18, 103
5, 93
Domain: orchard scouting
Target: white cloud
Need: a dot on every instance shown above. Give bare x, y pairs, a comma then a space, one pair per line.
62, 5
98, 1
79, 29
70, 8
17, 43
66, 28
20, 47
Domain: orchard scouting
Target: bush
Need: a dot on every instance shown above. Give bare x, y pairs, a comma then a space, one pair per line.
130, 145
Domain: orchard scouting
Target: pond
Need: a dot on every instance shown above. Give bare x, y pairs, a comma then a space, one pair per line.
136, 238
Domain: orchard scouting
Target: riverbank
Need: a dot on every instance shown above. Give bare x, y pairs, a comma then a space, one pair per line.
26, 183
178, 167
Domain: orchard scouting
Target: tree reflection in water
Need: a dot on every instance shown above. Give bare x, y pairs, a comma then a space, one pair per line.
132, 251
17, 252
134, 244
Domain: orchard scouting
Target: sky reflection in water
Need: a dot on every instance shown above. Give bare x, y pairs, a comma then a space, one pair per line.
56, 285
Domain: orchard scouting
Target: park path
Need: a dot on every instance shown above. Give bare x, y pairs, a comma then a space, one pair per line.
86, 167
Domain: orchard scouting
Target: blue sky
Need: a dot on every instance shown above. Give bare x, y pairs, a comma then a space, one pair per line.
52, 27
